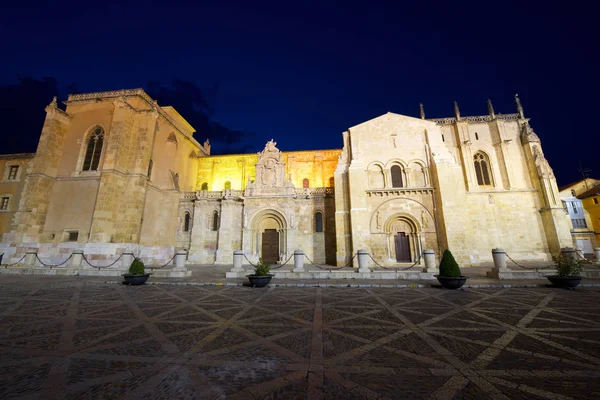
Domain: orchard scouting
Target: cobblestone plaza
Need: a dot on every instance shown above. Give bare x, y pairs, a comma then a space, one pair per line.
83, 338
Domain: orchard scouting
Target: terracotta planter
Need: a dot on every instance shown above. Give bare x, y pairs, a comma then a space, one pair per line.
451, 282
259, 280
567, 282
135, 279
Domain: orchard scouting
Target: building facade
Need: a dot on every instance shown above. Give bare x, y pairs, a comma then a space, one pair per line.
582, 230
590, 200
115, 171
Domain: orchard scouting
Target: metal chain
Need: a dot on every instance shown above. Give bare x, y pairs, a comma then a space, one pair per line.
54, 265
101, 266
326, 267
254, 265
392, 268
12, 265
519, 265
281, 265
168, 262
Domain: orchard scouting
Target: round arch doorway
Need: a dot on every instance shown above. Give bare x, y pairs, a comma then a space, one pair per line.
269, 236
404, 244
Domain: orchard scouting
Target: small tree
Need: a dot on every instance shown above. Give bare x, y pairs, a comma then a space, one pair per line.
136, 267
262, 269
566, 266
448, 265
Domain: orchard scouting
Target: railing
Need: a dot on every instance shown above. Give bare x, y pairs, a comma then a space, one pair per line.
397, 191
474, 119
220, 194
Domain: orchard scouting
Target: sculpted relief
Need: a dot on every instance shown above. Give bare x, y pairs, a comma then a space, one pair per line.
270, 173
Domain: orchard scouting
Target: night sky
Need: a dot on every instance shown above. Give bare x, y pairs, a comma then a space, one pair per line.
302, 73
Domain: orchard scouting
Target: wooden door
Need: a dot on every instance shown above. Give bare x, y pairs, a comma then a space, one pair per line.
270, 246
402, 247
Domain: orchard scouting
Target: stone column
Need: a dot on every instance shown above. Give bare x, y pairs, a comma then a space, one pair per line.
30, 258
298, 261
429, 257
238, 257
597, 254
363, 261
126, 260
77, 259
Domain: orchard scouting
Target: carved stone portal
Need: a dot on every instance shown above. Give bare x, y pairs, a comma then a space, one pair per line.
270, 173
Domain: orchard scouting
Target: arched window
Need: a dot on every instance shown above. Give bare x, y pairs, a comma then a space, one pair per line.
331, 182
227, 185
482, 169
305, 183
318, 221
396, 172
204, 186
150, 165
215, 221
186, 222
93, 150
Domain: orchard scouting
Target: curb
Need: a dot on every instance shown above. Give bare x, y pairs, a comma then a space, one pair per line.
366, 285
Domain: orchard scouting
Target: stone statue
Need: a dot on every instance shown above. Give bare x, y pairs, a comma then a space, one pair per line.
424, 219
292, 222
491, 199
541, 164
245, 219
378, 220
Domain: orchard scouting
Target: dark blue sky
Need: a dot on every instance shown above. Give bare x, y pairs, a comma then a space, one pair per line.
302, 73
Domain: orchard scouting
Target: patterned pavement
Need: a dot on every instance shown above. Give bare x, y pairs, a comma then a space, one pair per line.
83, 339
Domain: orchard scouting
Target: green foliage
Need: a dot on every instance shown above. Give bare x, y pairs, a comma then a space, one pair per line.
137, 267
448, 265
262, 268
566, 266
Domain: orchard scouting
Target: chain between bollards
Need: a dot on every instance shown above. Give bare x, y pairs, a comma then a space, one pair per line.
53, 265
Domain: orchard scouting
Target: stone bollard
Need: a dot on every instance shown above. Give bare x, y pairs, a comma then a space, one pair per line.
569, 253
363, 261
597, 254
298, 261
180, 260
499, 257
238, 258
77, 258
500, 270
126, 260
429, 257
30, 258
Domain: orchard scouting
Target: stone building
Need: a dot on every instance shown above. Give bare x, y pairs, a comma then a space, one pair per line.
581, 220
115, 171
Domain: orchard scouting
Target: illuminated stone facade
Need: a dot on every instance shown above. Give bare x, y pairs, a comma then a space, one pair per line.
115, 171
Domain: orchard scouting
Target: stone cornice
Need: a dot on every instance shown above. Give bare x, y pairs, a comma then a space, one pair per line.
16, 156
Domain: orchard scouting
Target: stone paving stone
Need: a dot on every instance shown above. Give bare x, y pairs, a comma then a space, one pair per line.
69, 338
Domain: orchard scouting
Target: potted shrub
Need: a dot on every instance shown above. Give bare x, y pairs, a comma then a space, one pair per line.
261, 276
136, 274
567, 272
450, 276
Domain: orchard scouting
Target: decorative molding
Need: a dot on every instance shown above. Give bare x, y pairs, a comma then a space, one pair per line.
475, 119
398, 191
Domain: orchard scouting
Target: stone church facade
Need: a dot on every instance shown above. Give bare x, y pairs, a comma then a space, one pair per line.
116, 172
